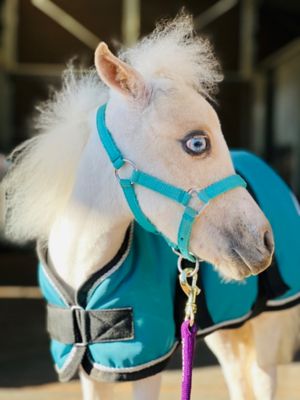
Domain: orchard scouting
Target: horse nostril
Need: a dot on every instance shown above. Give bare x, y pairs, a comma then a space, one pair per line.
268, 241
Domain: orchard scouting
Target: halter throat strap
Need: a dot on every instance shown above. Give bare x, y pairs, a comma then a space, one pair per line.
181, 196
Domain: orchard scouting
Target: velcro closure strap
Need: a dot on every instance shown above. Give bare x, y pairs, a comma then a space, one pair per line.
81, 327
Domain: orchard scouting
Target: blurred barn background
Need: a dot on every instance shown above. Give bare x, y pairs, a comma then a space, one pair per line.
258, 43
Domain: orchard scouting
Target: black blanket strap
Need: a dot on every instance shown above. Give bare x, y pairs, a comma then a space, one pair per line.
82, 327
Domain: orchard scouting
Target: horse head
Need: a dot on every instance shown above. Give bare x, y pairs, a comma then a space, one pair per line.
162, 121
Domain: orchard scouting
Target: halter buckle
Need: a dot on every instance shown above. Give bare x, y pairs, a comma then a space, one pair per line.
127, 163
194, 196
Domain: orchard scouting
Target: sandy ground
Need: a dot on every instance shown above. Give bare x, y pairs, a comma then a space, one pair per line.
208, 385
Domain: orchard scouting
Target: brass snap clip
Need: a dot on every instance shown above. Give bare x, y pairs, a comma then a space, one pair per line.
191, 290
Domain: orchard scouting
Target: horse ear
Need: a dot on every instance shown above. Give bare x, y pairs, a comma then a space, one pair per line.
117, 74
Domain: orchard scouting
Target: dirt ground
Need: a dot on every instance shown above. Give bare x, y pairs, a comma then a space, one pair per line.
208, 385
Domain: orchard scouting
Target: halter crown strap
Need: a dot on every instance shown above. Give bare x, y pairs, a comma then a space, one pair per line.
172, 192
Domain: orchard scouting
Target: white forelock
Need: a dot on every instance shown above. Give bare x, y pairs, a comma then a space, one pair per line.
173, 50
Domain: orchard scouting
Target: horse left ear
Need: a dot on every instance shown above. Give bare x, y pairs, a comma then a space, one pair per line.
117, 74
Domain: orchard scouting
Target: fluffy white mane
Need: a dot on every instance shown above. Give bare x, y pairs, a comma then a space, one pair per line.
44, 168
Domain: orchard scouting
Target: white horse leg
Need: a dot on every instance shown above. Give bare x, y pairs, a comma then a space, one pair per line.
267, 331
227, 345
144, 389
264, 381
93, 390
276, 336
147, 389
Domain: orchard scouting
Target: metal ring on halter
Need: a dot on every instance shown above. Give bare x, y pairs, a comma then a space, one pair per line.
128, 162
177, 252
196, 269
194, 193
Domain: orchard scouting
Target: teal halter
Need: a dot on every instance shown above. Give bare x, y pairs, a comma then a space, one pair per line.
174, 193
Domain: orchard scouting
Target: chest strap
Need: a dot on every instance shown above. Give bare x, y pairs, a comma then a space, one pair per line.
172, 192
81, 327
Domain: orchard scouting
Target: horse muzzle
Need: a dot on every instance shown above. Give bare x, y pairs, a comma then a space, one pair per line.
251, 257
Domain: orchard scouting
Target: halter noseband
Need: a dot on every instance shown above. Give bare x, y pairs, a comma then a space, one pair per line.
174, 193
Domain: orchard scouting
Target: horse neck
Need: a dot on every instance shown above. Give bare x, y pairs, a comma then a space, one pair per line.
92, 227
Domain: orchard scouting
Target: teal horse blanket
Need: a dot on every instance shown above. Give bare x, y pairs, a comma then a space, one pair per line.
230, 304
122, 323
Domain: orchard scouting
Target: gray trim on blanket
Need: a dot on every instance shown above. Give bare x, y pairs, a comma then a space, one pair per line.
65, 291
71, 365
110, 374
80, 327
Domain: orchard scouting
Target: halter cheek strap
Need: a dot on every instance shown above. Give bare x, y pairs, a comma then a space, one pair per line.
172, 192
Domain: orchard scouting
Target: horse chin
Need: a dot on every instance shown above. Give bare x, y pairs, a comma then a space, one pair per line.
231, 272
229, 266
236, 269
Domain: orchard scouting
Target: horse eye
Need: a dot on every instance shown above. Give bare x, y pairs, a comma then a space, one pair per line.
196, 143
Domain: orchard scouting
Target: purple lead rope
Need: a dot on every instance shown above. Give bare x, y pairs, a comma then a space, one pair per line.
188, 335
188, 327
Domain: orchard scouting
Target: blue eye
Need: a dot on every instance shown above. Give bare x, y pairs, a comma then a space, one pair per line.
196, 143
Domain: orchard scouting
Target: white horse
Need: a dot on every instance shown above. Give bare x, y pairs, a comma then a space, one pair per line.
62, 190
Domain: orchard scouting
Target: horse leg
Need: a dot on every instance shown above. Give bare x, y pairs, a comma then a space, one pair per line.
276, 336
228, 346
268, 330
144, 389
147, 389
264, 381
93, 390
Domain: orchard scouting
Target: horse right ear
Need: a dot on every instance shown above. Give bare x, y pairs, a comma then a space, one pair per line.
118, 75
